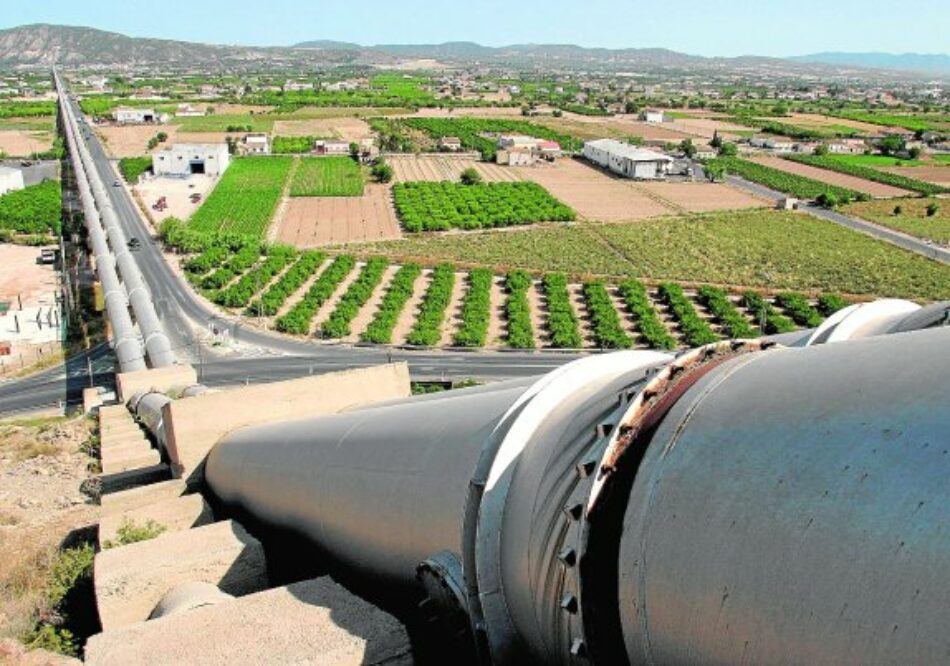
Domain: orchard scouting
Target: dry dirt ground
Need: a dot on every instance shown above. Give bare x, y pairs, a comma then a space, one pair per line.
41, 503
446, 167
131, 140
703, 197
877, 190
938, 175
20, 274
21, 143
176, 192
346, 129
817, 120
313, 221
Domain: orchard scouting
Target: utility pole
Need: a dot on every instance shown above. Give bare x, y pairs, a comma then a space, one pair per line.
89, 370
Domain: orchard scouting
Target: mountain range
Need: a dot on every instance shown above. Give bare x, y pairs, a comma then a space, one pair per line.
44, 45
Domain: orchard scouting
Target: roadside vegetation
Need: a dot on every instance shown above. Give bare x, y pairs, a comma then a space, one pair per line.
868, 173
798, 186
928, 219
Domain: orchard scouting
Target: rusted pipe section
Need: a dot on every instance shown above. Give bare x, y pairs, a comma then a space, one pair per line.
741, 502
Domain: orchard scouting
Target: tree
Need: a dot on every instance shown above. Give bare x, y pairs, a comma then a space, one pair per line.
728, 149
687, 148
557, 113
827, 200
630, 107
932, 209
891, 144
162, 137
355, 150
821, 149
470, 177
382, 172
209, 111
914, 153
716, 141
898, 209
715, 171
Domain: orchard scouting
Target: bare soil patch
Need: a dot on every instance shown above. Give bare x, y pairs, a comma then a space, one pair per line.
878, 190
938, 175
704, 197
21, 143
446, 167
176, 192
132, 140
346, 129
594, 194
314, 221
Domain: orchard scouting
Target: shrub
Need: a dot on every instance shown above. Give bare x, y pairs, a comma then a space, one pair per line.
799, 309
605, 322
470, 177
272, 300
562, 321
476, 309
133, 167
337, 324
828, 304
932, 209
734, 325
770, 320
518, 310
129, 532
428, 328
696, 332
380, 330
240, 293
298, 319
651, 328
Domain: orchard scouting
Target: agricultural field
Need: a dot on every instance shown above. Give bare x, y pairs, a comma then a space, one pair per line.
437, 167
347, 128
307, 222
782, 179
597, 195
853, 183
888, 179
35, 209
373, 300
25, 142
912, 217
246, 197
327, 177
428, 206
936, 175
283, 122
472, 131
759, 249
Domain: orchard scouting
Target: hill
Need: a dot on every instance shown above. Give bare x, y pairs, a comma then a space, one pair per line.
937, 63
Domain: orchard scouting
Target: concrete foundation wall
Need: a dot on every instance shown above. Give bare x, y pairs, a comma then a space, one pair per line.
157, 379
194, 425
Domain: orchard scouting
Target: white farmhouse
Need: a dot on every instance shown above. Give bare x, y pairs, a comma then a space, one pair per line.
257, 143
127, 116
10, 179
653, 116
184, 159
627, 160
331, 147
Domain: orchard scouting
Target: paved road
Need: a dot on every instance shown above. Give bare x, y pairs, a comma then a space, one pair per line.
882, 233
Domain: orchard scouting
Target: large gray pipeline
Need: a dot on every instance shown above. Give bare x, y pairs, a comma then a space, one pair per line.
127, 346
157, 346
736, 504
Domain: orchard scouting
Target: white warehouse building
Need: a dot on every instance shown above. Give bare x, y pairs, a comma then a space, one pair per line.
127, 116
10, 179
184, 159
626, 160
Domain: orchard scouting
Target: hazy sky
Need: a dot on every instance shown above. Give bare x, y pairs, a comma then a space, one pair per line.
705, 27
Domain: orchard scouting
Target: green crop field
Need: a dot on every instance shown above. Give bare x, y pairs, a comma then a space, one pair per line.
799, 186
876, 160
868, 173
912, 219
245, 198
327, 177
33, 210
766, 249
429, 206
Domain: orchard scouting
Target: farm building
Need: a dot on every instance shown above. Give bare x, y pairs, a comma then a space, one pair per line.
184, 159
10, 179
330, 147
256, 144
848, 147
129, 116
705, 152
518, 141
653, 116
516, 156
627, 160
549, 149
188, 111
451, 144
